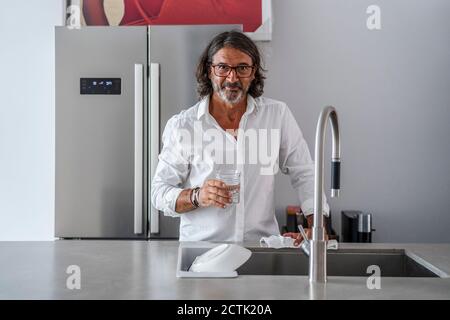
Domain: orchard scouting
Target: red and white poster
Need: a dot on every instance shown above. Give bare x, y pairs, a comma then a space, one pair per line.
254, 15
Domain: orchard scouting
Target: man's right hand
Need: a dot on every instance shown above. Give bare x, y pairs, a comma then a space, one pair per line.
214, 193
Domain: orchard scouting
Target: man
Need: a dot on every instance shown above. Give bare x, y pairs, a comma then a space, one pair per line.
231, 121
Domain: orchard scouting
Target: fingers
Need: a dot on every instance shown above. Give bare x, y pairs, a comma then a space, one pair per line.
207, 200
298, 239
216, 183
217, 204
294, 235
291, 235
298, 236
218, 193
223, 201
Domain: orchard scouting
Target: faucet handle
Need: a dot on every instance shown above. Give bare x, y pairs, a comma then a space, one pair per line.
302, 232
305, 245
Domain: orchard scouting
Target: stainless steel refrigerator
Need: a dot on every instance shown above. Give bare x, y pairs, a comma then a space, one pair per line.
116, 87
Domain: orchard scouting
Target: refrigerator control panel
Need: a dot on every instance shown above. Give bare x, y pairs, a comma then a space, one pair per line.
100, 86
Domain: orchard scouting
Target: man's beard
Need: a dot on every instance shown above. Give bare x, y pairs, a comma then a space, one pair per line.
230, 96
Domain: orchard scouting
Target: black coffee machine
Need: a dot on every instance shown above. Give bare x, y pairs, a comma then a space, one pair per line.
356, 226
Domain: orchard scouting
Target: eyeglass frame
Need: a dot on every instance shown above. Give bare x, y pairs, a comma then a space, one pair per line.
231, 69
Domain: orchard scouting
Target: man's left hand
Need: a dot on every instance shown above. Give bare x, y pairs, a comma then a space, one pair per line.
299, 238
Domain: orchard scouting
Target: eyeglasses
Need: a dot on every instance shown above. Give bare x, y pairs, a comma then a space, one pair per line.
223, 70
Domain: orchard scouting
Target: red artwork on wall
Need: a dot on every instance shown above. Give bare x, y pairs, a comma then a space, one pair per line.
184, 12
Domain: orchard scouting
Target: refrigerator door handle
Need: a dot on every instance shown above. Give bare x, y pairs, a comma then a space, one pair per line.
154, 137
138, 146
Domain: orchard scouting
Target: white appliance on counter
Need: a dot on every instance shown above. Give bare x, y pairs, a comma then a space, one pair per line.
116, 88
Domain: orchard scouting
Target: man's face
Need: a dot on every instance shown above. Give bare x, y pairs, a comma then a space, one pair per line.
232, 88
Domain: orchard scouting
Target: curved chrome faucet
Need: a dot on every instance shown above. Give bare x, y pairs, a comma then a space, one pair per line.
318, 245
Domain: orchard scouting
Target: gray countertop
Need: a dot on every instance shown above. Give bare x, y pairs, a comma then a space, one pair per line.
146, 270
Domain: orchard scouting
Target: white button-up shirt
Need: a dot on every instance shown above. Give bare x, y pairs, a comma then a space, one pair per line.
195, 147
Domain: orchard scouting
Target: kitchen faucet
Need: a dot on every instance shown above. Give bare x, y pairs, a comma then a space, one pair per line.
317, 247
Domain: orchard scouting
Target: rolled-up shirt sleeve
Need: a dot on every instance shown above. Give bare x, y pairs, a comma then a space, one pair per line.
171, 171
295, 161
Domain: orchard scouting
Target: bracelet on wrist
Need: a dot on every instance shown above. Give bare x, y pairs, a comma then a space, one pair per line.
191, 197
194, 197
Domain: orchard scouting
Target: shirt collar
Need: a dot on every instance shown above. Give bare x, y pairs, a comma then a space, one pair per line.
203, 107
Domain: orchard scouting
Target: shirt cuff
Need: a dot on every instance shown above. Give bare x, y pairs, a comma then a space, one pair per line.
308, 207
171, 202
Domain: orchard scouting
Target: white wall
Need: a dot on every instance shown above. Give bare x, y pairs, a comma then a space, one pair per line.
391, 90
27, 118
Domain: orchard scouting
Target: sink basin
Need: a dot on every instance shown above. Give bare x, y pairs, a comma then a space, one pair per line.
343, 262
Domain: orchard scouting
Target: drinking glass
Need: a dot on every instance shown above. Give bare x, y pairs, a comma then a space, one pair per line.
232, 178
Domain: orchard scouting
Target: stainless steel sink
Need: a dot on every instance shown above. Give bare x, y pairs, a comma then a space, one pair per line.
343, 262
